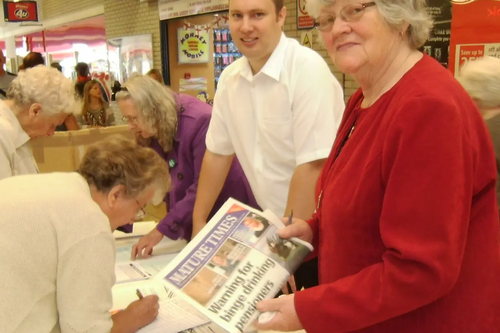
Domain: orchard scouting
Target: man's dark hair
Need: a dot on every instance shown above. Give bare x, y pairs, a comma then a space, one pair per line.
57, 66
33, 59
278, 4
82, 69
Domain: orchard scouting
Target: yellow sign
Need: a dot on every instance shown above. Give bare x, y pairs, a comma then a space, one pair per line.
193, 46
306, 39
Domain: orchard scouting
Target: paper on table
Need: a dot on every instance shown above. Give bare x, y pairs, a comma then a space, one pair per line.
166, 246
174, 316
207, 328
124, 294
139, 229
128, 272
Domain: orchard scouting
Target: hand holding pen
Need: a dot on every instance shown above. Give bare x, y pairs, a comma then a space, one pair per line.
138, 314
139, 294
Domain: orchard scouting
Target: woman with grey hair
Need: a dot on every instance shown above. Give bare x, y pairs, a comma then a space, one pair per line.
175, 125
58, 250
406, 227
481, 79
38, 100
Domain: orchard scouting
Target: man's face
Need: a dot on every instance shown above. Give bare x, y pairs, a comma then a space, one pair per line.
255, 27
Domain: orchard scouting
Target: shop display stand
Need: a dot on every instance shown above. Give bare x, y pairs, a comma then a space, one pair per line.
225, 52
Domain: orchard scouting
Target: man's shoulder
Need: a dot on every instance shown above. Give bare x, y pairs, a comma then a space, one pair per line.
296, 52
7, 132
232, 70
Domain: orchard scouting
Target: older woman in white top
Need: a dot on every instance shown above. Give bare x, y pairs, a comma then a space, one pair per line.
57, 248
481, 79
37, 101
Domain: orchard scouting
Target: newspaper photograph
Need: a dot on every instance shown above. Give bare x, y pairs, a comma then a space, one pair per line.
237, 260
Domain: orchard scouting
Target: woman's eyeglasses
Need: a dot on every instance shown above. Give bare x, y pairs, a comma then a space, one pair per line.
130, 120
349, 13
141, 213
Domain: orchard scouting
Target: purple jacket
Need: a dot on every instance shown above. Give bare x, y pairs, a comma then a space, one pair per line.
184, 162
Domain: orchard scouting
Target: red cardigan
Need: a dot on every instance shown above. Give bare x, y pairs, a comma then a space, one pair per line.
407, 230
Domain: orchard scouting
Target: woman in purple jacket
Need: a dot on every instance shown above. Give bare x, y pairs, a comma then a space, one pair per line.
175, 125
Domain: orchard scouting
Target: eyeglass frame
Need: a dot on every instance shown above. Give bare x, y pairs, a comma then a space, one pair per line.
132, 120
141, 213
127, 119
364, 5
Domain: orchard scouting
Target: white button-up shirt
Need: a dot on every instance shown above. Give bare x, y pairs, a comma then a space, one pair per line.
15, 151
284, 116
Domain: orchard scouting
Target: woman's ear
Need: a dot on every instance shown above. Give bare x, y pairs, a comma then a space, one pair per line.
35, 109
114, 194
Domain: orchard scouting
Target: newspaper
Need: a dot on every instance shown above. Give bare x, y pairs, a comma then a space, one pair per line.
231, 265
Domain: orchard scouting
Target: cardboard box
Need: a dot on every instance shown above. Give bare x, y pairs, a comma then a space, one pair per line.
155, 213
64, 151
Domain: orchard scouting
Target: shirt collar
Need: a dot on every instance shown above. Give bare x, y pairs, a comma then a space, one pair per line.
20, 136
273, 65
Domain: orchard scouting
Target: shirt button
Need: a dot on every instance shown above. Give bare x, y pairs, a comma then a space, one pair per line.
180, 176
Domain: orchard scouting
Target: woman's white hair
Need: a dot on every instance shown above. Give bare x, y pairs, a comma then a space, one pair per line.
156, 106
481, 79
45, 86
397, 14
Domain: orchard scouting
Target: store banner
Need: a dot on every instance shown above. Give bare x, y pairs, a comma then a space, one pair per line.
304, 21
170, 9
193, 46
21, 11
474, 31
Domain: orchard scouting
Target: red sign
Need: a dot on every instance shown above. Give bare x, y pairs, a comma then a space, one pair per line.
304, 21
469, 52
474, 25
22, 11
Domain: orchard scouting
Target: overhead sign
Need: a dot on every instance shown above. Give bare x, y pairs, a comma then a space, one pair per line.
170, 9
21, 11
304, 21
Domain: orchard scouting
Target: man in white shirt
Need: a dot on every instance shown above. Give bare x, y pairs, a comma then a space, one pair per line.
5, 77
277, 109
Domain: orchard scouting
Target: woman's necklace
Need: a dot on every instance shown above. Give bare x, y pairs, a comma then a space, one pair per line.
392, 82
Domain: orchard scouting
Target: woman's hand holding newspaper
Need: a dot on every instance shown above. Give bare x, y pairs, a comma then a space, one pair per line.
286, 318
298, 228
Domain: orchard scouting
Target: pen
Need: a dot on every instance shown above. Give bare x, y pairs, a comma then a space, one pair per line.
138, 293
290, 218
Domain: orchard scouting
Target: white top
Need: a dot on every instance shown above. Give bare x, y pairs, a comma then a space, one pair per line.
286, 115
57, 256
15, 151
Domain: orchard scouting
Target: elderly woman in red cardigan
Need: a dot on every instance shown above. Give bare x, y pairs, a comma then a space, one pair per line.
406, 228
